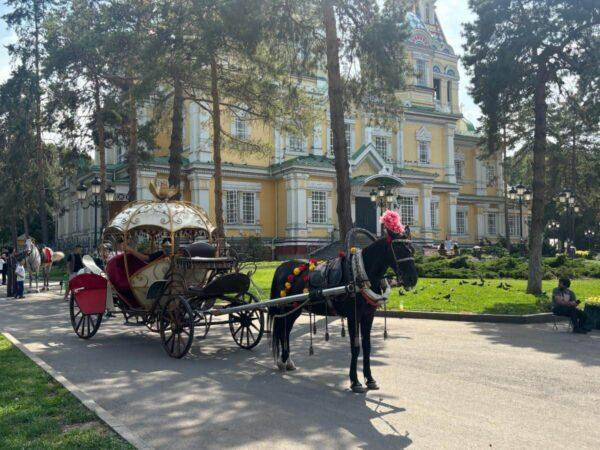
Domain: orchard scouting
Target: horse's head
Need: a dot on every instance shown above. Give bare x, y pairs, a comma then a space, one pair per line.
400, 257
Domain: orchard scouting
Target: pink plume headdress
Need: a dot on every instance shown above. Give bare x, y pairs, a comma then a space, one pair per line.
392, 222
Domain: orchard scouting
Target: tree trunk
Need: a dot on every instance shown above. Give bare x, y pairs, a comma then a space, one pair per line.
176, 146
505, 187
573, 179
99, 113
132, 155
336, 108
534, 283
41, 160
216, 118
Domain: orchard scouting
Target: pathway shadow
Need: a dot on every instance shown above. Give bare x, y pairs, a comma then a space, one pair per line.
544, 338
219, 396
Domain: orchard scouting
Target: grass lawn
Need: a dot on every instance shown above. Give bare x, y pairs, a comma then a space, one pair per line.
37, 412
429, 294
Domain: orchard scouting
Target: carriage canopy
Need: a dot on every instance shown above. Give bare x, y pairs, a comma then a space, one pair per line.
170, 216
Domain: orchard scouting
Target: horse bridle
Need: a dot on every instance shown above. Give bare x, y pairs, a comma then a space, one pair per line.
397, 261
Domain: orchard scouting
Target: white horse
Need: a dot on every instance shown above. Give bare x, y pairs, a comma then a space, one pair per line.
34, 261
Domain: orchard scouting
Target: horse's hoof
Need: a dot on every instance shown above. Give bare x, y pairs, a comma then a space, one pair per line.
358, 388
290, 365
372, 385
280, 365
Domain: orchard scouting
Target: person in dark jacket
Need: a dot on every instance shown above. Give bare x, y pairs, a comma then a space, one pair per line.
564, 303
11, 279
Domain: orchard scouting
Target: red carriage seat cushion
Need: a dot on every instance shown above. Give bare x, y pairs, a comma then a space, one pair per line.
115, 270
90, 292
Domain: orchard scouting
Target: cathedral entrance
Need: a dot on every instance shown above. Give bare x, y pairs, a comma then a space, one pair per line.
366, 214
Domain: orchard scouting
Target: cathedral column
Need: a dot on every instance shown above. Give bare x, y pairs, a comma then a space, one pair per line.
426, 230
452, 201
295, 185
200, 190
400, 144
450, 173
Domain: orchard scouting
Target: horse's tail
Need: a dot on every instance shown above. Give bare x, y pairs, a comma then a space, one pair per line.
57, 256
275, 320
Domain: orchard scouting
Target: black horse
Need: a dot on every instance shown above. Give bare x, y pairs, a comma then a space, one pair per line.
391, 251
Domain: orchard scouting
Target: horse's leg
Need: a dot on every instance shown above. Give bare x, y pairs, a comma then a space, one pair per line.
355, 351
366, 323
289, 364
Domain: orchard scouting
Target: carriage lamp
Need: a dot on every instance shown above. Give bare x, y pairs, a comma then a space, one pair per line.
554, 225
521, 189
96, 185
512, 194
527, 195
381, 191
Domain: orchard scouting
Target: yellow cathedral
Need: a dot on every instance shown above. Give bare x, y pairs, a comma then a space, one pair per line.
430, 159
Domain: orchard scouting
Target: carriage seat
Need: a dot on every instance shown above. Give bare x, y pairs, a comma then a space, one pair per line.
198, 249
117, 275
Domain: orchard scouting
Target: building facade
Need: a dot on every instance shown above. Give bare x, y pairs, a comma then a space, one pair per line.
429, 156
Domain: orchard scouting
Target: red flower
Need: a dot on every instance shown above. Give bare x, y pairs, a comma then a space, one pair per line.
290, 278
312, 261
302, 267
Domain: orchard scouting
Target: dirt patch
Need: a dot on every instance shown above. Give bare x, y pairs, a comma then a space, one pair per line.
93, 425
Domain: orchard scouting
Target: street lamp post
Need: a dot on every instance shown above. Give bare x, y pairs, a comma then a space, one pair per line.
554, 226
589, 234
383, 198
521, 195
95, 201
567, 200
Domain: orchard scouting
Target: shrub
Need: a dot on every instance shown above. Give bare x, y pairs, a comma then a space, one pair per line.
495, 250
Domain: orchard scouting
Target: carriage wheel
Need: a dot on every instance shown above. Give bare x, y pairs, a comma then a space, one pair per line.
177, 327
247, 327
204, 321
85, 325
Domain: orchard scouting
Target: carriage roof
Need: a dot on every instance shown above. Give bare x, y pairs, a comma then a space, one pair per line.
171, 216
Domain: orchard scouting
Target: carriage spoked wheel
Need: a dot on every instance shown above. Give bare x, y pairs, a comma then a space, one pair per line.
247, 327
85, 325
204, 321
177, 326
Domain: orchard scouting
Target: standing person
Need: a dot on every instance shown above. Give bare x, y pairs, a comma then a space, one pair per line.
74, 265
20, 277
3, 266
11, 265
448, 245
564, 303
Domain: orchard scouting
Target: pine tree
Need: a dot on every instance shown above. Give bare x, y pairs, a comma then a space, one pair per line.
544, 40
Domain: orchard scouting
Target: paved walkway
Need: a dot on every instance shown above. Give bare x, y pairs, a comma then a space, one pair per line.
444, 385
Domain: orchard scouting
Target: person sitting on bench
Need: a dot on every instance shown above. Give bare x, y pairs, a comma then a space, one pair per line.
148, 258
564, 303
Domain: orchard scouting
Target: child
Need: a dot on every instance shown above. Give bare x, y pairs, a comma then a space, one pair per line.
20, 274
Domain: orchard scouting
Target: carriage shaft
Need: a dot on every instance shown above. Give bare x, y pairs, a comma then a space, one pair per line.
339, 290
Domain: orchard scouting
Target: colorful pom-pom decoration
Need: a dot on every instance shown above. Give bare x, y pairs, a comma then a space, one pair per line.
290, 278
312, 261
296, 271
311, 267
353, 250
282, 294
392, 222
342, 254
305, 290
288, 285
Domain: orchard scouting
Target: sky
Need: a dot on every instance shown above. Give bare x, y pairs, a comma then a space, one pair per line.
451, 14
